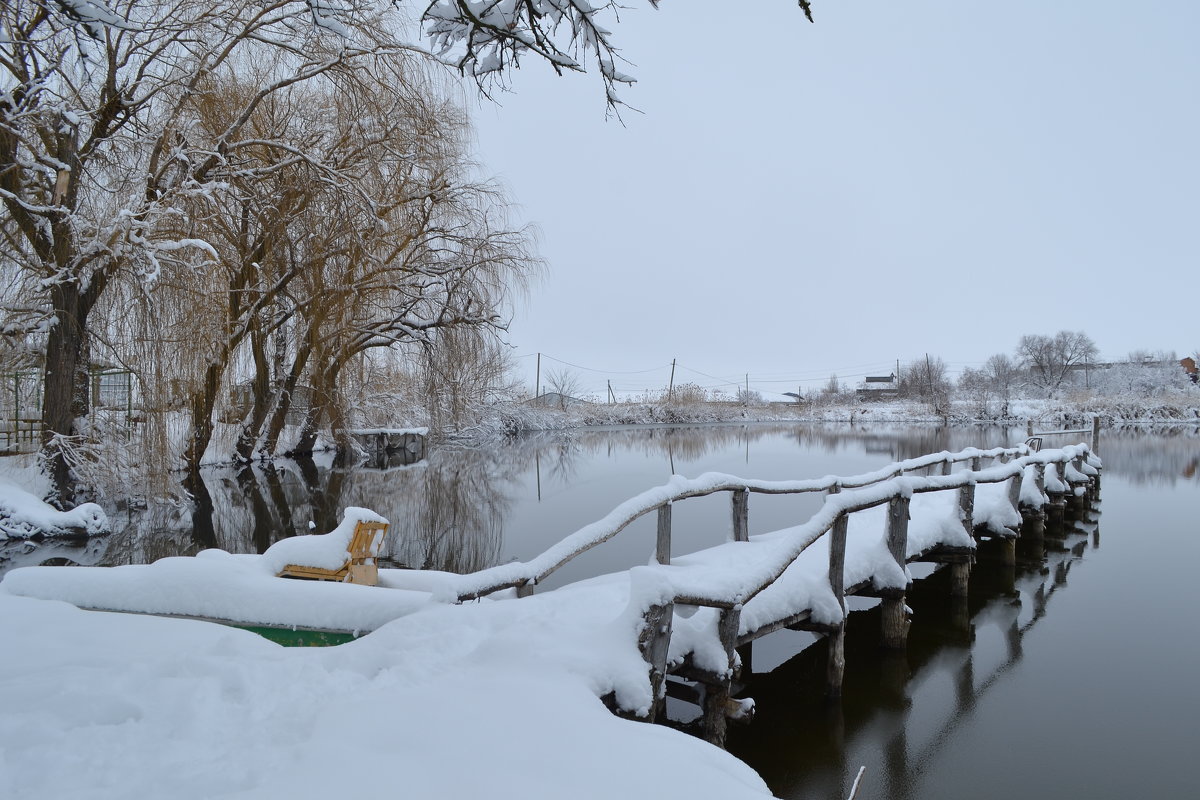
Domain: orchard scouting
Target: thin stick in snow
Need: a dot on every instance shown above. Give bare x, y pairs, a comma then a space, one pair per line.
857, 781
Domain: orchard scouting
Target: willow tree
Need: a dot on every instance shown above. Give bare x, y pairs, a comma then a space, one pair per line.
99, 157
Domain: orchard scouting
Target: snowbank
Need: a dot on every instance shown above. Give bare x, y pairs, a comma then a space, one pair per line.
442, 704
24, 516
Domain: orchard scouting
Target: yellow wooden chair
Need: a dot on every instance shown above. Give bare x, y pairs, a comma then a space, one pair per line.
359, 568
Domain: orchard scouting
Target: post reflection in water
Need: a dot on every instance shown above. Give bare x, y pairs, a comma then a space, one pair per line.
901, 709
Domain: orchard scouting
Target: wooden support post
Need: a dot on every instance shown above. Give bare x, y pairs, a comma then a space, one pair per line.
976, 464
960, 611
1096, 434
741, 515
836, 666
653, 642
526, 589
895, 621
1077, 502
1008, 551
1056, 514
1033, 525
947, 467
662, 552
960, 578
716, 698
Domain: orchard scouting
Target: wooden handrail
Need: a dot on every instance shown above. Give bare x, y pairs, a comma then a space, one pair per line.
522, 575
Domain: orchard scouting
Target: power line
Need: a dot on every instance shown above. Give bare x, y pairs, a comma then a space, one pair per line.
605, 371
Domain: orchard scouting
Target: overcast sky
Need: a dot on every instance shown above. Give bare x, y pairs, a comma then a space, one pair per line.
799, 199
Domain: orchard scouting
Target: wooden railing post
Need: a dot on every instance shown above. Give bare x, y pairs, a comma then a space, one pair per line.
895, 616
836, 665
1014, 491
741, 515
653, 642
662, 551
966, 506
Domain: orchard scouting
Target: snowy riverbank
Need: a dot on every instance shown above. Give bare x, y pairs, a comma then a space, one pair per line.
102, 705
1076, 411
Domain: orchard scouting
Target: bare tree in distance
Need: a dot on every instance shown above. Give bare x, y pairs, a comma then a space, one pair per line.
927, 379
1003, 375
1048, 360
565, 383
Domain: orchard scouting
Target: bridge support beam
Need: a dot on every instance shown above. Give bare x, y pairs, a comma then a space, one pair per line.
960, 578
835, 667
1008, 551
717, 697
895, 622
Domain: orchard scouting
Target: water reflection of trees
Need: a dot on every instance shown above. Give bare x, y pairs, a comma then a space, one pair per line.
694, 442
1158, 457
447, 513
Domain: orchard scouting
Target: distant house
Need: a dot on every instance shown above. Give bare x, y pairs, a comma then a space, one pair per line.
879, 387
1189, 366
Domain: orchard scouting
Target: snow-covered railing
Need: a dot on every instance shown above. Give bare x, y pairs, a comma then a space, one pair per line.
524, 575
729, 588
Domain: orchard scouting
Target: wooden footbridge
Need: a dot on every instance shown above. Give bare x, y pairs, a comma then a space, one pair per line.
698, 609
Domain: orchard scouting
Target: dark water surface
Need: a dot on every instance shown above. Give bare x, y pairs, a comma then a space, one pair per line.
1079, 675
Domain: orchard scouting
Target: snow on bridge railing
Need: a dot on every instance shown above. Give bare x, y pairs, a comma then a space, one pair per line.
524, 575
727, 589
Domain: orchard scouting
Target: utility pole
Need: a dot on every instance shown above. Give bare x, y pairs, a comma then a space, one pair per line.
671, 385
612, 398
537, 381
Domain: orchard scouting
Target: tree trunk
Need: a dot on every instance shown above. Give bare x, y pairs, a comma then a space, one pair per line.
324, 404
261, 399
284, 404
65, 398
203, 403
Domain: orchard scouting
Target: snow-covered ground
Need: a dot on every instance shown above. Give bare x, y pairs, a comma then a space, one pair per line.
438, 705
